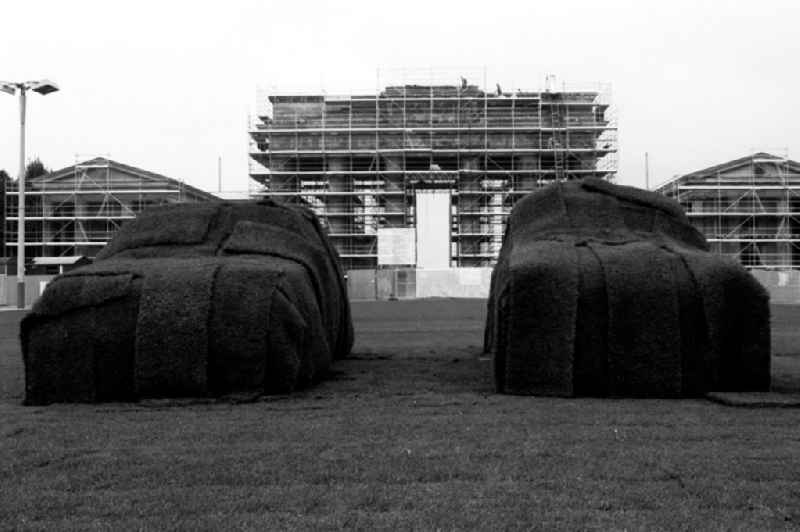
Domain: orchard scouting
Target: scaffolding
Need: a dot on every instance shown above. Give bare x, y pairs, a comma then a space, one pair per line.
357, 159
748, 209
76, 210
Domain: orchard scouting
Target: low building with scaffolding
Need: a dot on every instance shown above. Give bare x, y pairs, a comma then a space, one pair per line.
424, 174
74, 211
748, 208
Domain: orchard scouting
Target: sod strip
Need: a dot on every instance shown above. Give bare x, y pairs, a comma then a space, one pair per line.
544, 295
590, 366
240, 323
643, 322
172, 330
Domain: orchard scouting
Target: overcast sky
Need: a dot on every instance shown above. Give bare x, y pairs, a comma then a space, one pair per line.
168, 85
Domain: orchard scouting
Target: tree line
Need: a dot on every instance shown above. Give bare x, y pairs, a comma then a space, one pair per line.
35, 168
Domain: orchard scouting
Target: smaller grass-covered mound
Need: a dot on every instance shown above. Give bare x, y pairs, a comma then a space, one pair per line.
605, 290
192, 300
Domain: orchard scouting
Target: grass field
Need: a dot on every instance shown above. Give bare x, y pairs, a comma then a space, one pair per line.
406, 434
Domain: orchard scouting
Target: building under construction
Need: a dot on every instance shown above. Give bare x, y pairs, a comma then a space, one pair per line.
74, 211
748, 208
425, 174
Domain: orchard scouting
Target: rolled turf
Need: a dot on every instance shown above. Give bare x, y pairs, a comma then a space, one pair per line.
606, 290
192, 300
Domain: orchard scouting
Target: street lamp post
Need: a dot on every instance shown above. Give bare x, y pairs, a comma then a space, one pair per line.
42, 87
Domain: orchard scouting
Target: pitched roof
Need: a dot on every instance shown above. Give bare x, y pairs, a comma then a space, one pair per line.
69, 171
729, 165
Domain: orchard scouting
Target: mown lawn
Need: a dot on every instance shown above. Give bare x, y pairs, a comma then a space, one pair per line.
406, 434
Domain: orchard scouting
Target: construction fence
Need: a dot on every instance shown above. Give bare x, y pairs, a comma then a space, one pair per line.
783, 285
409, 283
34, 286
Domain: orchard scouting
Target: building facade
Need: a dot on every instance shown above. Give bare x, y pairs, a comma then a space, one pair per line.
748, 208
374, 165
75, 211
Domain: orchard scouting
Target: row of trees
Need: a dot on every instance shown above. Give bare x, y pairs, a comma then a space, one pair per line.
35, 168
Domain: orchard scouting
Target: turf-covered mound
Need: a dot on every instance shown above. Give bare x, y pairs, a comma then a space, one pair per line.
605, 290
192, 300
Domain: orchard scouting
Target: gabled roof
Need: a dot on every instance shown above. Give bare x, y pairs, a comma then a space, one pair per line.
730, 165
69, 172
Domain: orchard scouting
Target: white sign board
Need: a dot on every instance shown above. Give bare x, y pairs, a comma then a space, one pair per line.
433, 229
396, 246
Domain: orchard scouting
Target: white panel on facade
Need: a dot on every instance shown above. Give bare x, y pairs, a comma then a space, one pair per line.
433, 229
396, 246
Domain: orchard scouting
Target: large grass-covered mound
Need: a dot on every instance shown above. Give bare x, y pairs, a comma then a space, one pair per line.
192, 300
606, 290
